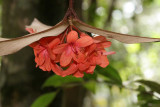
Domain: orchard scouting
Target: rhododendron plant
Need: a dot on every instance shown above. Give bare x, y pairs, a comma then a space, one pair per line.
66, 48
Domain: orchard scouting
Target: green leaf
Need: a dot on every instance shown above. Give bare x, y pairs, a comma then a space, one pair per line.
141, 88
110, 73
154, 103
91, 86
148, 2
150, 103
145, 96
90, 76
44, 100
111, 83
58, 81
152, 85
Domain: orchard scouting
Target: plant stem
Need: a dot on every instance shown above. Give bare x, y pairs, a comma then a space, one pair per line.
70, 12
71, 4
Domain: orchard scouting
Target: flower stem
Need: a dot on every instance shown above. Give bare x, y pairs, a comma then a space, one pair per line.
71, 4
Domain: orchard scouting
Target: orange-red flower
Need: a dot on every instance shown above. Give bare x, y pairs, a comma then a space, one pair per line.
71, 53
43, 53
72, 47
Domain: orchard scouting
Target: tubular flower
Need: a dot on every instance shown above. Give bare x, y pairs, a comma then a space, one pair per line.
70, 53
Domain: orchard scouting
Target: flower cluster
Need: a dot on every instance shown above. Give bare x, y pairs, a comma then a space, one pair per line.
71, 53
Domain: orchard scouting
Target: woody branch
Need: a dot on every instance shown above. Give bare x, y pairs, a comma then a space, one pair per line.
71, 4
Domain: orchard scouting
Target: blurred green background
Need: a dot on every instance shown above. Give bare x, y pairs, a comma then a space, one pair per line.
132, 78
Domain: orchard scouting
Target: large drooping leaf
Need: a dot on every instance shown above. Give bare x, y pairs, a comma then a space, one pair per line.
37, 26
129, 39
58, 81
151, 103
3, 39
110, 73
152, 85
147, 98
13, 45
44, 100
90, 76
148, 2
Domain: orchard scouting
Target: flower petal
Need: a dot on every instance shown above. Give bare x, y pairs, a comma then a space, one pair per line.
91, 48
14, 45
56, 69
83, 34
66, 57
57, 60
72, 36
84, 41
47, 64
106, 44
47, 40
93, 59
72, 69
103, 61
91, 70
34, 44
78, 74
81, 57
30, 30
99, 39
59, 49
53, 43
109, 53
51, 54
40, 59
83, 66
